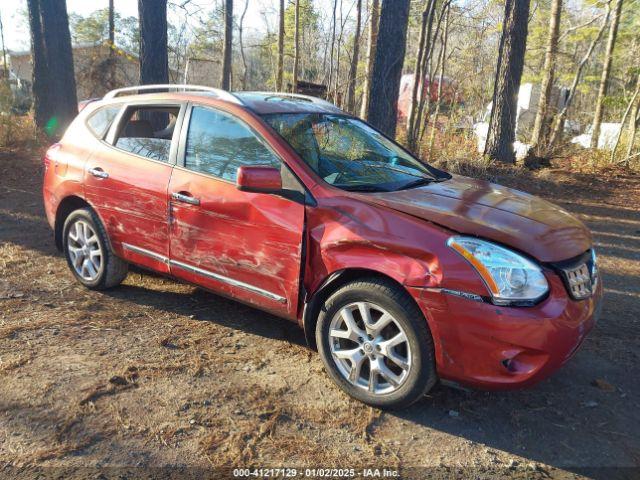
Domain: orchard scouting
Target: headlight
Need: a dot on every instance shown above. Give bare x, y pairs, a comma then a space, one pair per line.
510, 277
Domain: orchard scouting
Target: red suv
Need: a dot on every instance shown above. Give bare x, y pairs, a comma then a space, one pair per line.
400, 274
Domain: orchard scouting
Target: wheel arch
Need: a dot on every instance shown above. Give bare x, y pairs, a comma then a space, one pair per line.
331, 284
67, 206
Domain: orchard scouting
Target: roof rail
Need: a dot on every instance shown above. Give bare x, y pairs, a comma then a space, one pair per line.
221, 94
309, 98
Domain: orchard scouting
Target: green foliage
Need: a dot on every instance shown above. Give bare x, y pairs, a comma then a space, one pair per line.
208, 36
94, 29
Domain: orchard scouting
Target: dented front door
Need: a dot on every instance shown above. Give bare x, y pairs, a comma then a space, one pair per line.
246, 245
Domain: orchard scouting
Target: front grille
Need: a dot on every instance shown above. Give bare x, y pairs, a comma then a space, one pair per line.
580, 275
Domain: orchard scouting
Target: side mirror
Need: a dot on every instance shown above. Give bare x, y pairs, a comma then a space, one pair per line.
259, 179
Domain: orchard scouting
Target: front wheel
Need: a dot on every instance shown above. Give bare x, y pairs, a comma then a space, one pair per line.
375, 343
89, 256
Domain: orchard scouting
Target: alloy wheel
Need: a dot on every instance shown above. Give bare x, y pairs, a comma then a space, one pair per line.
370, 348
84, 250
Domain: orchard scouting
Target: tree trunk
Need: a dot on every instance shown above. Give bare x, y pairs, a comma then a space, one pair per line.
606, 70
424, 103
539, 126
631, 107
154, 59
54, 84
419, 79
559, 122
332, 47
280, 72
112, 23
502, 126
336, 97
633, 125
112, 43
241, 40
4, 53
225, 82
443, 60
296, 47
41, 102
374, 17
353, 70
387, 66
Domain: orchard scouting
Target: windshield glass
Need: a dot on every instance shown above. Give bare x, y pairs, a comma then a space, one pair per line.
349, 154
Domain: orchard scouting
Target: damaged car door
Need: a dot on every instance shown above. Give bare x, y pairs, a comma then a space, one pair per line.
243, 244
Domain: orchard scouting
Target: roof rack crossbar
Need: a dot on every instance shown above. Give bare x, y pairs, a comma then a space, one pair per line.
221, 94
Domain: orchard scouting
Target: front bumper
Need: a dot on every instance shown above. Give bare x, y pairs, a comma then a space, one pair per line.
482, 345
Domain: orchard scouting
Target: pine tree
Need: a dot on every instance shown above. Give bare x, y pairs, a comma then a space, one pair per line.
502, 125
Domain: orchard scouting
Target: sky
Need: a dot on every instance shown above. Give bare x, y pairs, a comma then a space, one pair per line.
16, 28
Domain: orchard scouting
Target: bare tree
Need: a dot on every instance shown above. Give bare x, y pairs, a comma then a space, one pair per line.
540, 123
280, 72
443, 60
296, 47
4, 52
502, 125
631, 108
241, 42
154, 57
606, 71
633, 125
422, 56
337, 98
374, 17
424, 103
225, 82
353, 69
332, 46
54, 84
560, 118
387, 67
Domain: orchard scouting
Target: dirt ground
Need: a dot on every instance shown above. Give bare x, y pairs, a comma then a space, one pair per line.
158, 376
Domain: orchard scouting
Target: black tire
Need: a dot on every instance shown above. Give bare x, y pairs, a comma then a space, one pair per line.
113, 270
399, 304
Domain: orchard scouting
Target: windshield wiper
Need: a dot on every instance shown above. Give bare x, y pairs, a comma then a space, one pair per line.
417, 183
362, 188
400, 170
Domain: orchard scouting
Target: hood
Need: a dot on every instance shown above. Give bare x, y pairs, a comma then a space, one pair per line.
483, 209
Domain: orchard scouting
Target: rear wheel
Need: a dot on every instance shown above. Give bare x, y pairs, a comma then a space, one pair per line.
88, 254
375, 343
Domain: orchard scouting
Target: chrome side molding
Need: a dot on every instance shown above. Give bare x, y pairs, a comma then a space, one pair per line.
227, 280
204, 273
146, 253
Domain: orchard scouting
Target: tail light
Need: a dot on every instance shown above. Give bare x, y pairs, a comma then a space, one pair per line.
52, 156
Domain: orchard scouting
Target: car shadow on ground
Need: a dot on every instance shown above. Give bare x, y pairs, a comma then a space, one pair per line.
204, 306
565, 421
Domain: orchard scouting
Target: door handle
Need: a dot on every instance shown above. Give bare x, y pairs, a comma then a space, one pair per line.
185, 198
98, 172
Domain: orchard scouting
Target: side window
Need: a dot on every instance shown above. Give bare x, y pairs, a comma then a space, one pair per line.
217, 144
147, 131
100, 120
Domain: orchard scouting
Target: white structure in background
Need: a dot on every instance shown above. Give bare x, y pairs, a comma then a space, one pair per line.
528, 96
606, 141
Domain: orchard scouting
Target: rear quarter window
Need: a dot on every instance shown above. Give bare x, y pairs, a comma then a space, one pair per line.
100, 120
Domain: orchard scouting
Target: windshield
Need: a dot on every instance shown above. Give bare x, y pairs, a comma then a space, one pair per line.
349, 154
